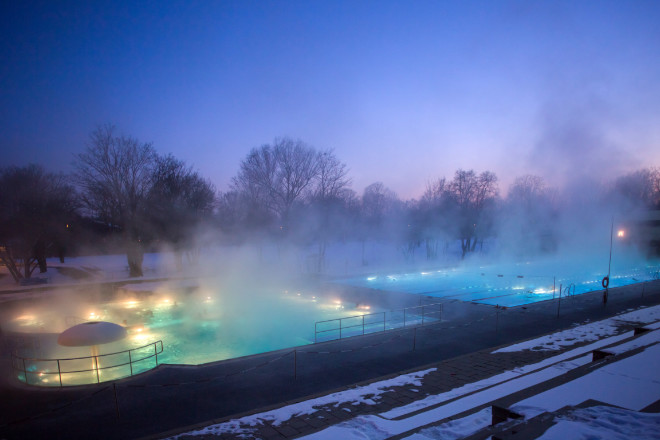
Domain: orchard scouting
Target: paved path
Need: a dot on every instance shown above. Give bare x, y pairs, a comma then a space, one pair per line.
175, 398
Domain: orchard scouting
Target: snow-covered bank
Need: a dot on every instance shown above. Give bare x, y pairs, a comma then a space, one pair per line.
642, 383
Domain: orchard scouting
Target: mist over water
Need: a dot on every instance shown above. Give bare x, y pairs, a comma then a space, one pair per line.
227, 295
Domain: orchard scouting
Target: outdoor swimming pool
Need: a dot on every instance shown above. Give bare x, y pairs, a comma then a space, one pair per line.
193, 322
508, 286
196, 323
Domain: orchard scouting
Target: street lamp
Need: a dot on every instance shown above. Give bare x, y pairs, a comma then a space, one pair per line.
606, 280
621, 233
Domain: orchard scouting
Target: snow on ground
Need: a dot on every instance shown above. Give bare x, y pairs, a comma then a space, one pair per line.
359, 395
451, 430
94, 268
430, 409
605, 423
369, 425
585, 332
457, 428
340, 260
629, 383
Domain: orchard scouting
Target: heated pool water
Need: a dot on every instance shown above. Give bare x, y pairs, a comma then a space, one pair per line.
196, 324
507, 286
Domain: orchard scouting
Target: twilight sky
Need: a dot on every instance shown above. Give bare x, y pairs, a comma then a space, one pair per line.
403, 91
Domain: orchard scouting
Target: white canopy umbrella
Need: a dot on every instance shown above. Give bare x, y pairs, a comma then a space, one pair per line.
91, 333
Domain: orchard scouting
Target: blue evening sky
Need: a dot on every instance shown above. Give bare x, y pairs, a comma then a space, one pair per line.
403, 91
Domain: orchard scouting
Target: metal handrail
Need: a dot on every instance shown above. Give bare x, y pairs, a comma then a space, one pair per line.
568, 289
341, 328
157, 344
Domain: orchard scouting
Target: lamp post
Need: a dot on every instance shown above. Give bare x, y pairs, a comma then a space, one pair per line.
606, 280
609, 266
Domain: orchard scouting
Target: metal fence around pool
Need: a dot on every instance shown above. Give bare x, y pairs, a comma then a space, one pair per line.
88, 369
358, 325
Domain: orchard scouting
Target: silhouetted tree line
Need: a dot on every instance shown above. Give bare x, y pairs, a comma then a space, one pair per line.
124, 196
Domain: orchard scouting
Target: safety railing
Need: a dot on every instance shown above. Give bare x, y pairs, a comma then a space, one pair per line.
358, 325
569, 290
72, 371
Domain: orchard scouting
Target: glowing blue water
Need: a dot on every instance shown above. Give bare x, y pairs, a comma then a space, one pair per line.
510, 287
204, 326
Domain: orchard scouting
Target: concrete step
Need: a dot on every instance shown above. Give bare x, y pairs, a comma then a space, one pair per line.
506, 423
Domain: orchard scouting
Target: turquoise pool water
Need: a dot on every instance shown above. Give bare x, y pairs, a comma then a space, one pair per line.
196, 325
507, 286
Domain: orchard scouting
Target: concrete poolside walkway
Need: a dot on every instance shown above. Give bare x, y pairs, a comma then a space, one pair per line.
174, 399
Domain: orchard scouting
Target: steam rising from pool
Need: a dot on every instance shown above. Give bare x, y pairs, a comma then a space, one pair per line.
199, 321
246, 299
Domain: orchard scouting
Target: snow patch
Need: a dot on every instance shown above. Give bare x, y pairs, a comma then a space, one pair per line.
586, 332
359, 395
456, 429
604, 422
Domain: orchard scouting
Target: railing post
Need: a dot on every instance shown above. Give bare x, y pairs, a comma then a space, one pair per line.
384, 319
316, 332
130, 362
59, 372
156, 352
98, 378
362, 325
339, 328
559, 302
25, 372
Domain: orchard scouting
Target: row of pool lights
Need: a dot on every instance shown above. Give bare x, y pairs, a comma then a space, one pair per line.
333, 304
538, 291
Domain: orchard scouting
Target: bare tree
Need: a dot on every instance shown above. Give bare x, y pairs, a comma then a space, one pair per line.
35, 209
332, 176
379, 210
526, 189
472, 195
435, 192
115, 174
377, 202
239, 214
278, 175
640, 188
256, 178
179, 201
431, 216
528, 216
330, 198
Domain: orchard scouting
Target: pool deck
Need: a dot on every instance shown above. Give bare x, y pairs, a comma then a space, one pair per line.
177, 399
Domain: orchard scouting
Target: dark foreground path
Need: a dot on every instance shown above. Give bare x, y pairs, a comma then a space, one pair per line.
174, 397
